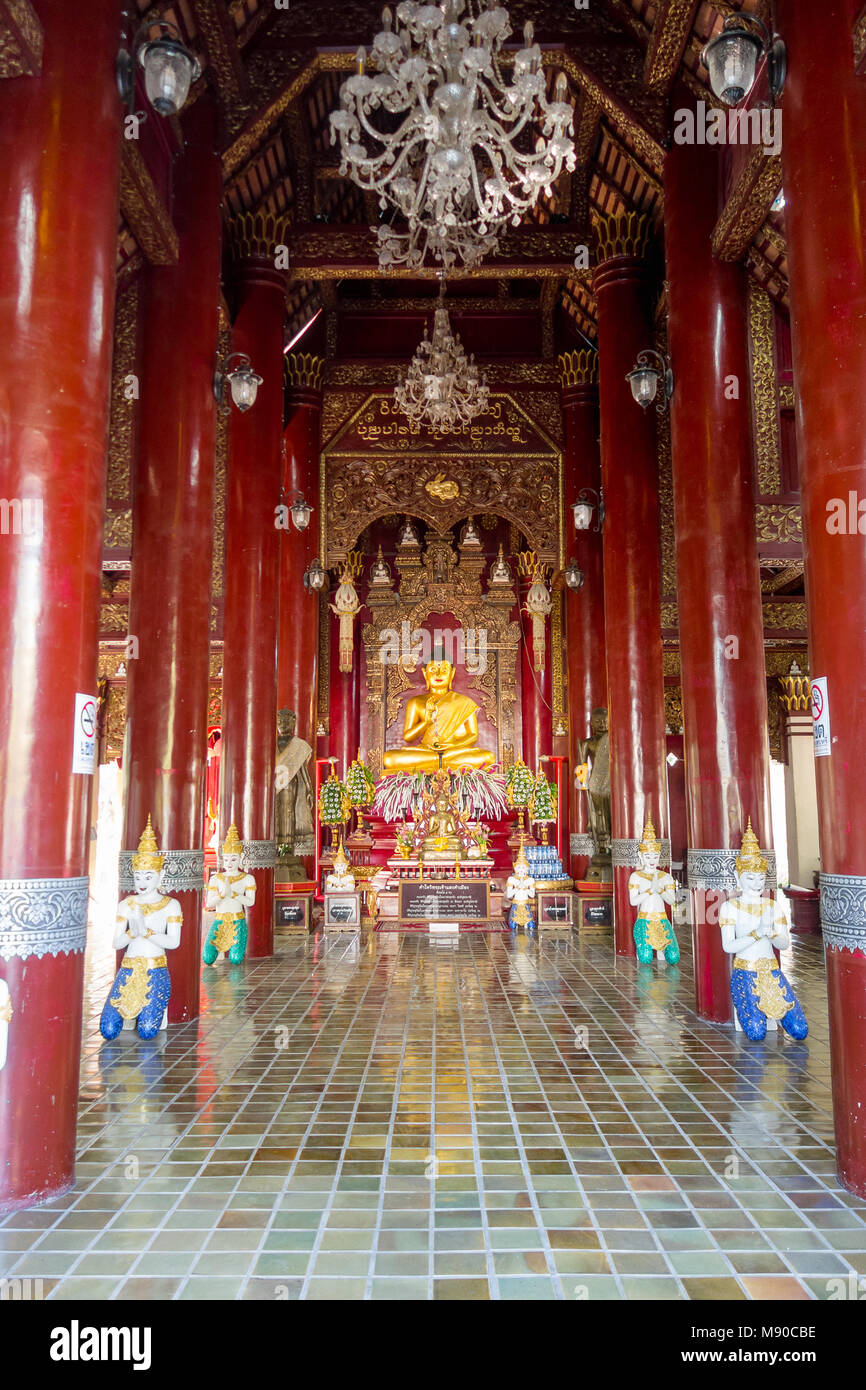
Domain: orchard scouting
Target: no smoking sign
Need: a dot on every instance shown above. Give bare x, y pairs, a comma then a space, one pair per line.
84, 735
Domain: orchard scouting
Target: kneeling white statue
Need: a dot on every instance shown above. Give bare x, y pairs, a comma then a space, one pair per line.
148, 924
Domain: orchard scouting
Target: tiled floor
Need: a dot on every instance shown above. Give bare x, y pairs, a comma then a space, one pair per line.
481, 1118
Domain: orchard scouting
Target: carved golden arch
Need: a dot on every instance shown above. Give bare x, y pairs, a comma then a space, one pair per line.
362, 482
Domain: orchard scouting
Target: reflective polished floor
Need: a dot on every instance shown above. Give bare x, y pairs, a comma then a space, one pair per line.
412, 1117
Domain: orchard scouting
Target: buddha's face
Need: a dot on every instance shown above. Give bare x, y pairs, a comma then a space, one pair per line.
752, 881
438, 676
598, 721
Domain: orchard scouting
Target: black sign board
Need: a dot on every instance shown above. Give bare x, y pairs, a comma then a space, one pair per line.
444, 900
597, 914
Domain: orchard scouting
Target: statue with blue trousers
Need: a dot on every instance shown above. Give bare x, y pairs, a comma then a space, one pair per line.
148, 924
753, 929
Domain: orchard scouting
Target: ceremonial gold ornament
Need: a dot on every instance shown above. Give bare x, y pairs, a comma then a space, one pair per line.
750, 860
443, 488
232, 843
148, 855
650, 843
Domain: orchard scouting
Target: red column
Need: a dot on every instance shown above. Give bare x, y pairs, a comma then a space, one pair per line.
536, 701
825, 191
344, 733
635, 680
584, 607
59, 153
298, 662
165, 749
252, 574
719, 587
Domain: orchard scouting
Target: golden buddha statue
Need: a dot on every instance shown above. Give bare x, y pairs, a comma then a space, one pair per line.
442, 837
443, 726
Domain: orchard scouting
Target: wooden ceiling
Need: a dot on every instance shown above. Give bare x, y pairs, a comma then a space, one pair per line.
276, 74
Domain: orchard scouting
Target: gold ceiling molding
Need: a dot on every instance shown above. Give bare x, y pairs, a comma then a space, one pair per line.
144, 210
779, 663
748, 205
778, 524
256, 235
222, 54
122, 427
788, 572
668, 40
304, 371
601, 72
579, 368
765, 391
787, 616
625, 235
21, 39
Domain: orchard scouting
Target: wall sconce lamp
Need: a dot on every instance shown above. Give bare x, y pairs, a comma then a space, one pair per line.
300, 511
315, 578
732, 58
644, 378
169, 68
244, 383
574, 575
583, 509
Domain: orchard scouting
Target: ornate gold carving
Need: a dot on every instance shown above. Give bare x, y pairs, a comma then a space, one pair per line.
764, 397
256, 235
113, 714
376, 375
626, 235
614, 81
674, 708
778, 523
779, 663
114, 617
445, 489
323, 706
667, 529
218, 36
336, 252
337, 407
304, 370
670, 34
21, 39
748, 205
121, 437
145, 212
859, 41
786, 395
785, 615
557, 679
789, 571
118, 530
775, 729
671, 663
796, 692
670, 615
578, 368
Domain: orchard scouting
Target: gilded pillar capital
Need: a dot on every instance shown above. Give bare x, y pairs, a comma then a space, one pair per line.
579, 368
260, 243
628, 234
796, 691
303, 371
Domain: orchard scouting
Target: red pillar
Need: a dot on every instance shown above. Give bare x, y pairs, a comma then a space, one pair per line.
59, 154
165, 748
721, 629
825, 192
252, 574
298, 647
635, 680
584, 607
536, 701
344, 733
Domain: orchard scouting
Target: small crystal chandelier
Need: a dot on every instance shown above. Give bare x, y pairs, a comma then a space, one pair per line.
441, 388
456, 151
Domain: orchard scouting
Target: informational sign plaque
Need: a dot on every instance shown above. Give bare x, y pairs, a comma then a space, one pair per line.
821, 716
444, 900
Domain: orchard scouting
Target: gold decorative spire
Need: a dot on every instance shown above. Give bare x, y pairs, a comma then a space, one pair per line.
148, 855
750, 860
341, 863
650, 843
232, 844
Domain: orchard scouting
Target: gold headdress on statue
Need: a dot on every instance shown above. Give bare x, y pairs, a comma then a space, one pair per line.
232, 844
148, 856
650, 843
521, 859
750, 860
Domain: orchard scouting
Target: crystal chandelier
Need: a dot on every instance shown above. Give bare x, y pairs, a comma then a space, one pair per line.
454, 149
441, 388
